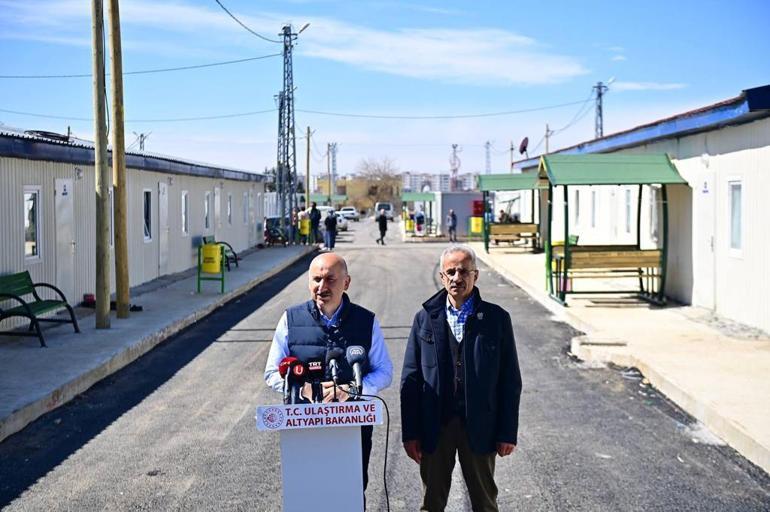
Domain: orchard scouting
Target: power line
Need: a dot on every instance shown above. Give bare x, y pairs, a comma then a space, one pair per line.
167, 120
456, 116
148, 71
244, 26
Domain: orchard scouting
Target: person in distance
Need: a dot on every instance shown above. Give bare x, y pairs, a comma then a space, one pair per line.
460, 386
329, 319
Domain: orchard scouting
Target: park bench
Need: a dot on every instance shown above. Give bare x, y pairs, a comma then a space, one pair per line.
513, 232
230, 255
14, 287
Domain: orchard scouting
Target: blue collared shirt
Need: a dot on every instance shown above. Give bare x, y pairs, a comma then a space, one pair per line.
380, 372
456, 318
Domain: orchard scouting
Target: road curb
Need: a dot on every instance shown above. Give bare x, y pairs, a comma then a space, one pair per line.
25, 415
593, 348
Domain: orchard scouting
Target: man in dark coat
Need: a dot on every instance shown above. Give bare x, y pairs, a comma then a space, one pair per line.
315, 221
330, 234
460, 386
382, 222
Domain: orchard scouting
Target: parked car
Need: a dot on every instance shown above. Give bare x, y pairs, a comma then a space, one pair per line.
388, 207
350, 213
342, 222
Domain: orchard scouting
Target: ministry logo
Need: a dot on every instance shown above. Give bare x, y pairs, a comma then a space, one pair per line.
272, 417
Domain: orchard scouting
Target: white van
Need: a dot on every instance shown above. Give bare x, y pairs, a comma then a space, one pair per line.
388, 207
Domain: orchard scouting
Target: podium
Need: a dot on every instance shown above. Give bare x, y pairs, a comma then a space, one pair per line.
321, 452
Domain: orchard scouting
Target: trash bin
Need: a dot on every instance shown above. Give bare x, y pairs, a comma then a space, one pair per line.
409, 226
477, 225
212, 259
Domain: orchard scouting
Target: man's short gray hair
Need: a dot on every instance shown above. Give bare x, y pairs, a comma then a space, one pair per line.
458, 248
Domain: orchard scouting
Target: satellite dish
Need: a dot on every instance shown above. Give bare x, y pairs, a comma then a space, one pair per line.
523, 145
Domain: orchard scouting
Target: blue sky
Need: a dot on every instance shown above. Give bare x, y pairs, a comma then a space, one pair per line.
392, 58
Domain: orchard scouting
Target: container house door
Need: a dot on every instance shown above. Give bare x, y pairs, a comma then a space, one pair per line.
65, 238
162, 228
704, 241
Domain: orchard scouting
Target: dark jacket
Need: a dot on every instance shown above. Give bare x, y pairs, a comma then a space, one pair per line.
492, 377
382, 220
315, 217
310, 338
330, 222
451, 220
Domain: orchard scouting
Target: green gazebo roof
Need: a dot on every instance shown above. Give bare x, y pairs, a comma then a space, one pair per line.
508, 181
417, 196
609, 169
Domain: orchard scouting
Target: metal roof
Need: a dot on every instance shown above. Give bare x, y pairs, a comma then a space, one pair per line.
609, 169
417, 196
508, 181
748, 106
321, 198
35, 146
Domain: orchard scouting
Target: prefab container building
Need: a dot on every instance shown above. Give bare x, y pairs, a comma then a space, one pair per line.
718, 238
48, 210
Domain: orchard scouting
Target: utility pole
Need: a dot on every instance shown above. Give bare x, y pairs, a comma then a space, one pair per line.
102, 171
511, 156
307, 171
488, 148
119, 163
329, 171
454, 166
599, 121
548, 133
333, 149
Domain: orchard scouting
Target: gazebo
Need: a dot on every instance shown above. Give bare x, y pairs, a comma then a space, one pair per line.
510, 231
568, 260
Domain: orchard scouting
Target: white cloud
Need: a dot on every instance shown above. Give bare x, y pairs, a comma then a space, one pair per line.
646, 86
470, 56
618, 58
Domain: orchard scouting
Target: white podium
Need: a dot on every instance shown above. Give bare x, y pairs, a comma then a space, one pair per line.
321, 452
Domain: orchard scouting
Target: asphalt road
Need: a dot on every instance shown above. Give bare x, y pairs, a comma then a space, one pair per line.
175, 430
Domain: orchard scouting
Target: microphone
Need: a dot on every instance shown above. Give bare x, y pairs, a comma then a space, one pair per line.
283, 369
356, 357
298, 377
332, 355
315, 374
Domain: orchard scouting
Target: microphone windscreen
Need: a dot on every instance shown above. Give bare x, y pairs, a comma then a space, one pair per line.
285, 365
355, 354
315, 368
299, 372
335, 353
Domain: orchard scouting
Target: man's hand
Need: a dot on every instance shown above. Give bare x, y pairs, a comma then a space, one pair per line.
413, 450
504, 449
342, 392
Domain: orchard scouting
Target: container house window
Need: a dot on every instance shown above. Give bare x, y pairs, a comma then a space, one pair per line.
593, 208
577, 207
736, 200
147, 215
31, 222
207, 210
185, 214
245, 207
230, 209
628, 210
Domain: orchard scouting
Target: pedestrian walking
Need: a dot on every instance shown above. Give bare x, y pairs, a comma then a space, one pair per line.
382, 222
330, 233
460, 386
451, 222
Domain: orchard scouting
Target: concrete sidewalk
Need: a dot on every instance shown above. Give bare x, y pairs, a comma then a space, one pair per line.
35, 380
718, 371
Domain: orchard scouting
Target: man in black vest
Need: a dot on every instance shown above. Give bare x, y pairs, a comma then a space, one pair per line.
460, 386
306, 331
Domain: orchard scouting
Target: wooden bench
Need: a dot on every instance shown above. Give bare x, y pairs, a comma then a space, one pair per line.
513, 232
230, 255
14, 287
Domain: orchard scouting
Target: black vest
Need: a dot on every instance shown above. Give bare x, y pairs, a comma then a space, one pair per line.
309, 338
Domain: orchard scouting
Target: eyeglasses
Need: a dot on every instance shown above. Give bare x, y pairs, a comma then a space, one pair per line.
462, 272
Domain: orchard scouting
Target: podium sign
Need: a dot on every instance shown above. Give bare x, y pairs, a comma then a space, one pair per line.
321, 452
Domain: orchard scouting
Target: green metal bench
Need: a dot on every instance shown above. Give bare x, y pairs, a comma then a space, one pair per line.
14, 287
230, 255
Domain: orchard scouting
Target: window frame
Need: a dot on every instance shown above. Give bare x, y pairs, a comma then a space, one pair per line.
207, 211
734, 182
246, 207
627, 197
145, 211
37, 191
576, 208
184, 199
594, 200
229, 209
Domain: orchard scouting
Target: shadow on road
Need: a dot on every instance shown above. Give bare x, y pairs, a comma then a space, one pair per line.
44, 444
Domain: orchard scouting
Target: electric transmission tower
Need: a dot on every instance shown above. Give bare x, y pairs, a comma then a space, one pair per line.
454, 166
286, 169
333, 152
599, 123
488, 148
